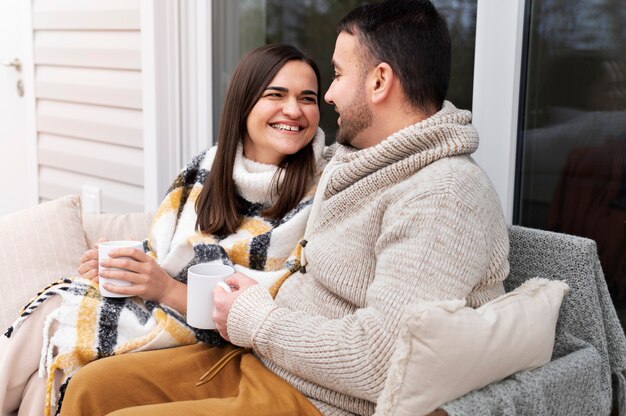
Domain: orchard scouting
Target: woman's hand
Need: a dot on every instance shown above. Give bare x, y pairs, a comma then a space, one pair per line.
89, 263
223, 300
149, 280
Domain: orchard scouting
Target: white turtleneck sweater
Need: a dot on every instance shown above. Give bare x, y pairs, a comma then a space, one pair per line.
410, 219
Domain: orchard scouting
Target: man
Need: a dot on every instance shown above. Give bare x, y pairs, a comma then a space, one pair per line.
405, 216
402, 215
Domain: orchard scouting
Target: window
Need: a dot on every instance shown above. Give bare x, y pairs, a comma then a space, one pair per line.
310, 25
573, 154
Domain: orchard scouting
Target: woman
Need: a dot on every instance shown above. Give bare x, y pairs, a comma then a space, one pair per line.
244, 202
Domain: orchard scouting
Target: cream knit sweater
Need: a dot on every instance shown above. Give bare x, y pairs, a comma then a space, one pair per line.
410, 219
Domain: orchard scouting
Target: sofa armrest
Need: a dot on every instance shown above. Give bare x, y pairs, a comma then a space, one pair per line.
131, 226
569, 385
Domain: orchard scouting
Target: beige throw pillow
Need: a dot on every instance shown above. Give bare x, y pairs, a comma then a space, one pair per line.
37, 245
131, 226
446, 349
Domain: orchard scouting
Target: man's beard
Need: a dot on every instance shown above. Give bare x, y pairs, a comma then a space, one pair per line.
355, 118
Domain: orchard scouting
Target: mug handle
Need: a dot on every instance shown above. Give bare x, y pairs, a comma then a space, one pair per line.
224, 286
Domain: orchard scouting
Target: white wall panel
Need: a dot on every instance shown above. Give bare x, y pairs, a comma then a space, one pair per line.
86, 14
123, 164
116, 197
88, 85
91, 5
106, 124
99, 49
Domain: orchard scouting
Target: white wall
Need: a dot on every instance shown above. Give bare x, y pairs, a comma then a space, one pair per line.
88, 87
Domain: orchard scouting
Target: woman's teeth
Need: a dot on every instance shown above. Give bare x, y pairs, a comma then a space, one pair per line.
285, 127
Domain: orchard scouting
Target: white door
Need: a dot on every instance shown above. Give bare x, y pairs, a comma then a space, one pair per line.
18, 166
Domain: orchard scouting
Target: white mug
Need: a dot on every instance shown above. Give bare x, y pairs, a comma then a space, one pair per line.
201, 279
103, 253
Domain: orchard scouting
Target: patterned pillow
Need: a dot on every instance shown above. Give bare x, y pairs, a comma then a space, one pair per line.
446, 349
38, 245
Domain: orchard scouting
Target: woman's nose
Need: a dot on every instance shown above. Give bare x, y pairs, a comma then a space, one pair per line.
292, 108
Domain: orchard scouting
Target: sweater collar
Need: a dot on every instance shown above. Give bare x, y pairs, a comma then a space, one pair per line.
254, 179
446, 133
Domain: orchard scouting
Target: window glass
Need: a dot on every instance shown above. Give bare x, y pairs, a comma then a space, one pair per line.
573, 154
310, 25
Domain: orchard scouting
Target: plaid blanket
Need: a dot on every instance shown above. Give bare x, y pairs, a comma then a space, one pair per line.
89, 326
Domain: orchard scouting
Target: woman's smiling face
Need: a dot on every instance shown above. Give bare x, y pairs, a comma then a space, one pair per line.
285, 118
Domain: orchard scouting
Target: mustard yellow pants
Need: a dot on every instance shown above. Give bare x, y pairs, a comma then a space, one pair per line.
175, 382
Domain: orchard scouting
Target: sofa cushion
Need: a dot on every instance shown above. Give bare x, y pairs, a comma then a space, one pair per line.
38, 245
446, 349
132, 226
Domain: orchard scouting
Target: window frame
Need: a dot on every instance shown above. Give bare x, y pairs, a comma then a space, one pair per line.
160, 59
495, 101
497, 93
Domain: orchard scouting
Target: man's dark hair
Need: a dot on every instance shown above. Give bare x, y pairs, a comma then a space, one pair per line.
412, 37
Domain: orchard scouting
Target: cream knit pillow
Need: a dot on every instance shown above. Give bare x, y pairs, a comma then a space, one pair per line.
446, 349
37, 246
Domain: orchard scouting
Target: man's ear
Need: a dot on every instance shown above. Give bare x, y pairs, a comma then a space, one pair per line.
382, 82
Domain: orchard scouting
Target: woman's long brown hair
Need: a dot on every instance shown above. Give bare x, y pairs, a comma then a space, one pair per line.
218, 204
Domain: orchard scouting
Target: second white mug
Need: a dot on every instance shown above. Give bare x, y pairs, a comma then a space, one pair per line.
201, 279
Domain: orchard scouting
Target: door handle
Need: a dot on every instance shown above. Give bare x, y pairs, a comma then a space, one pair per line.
16, 63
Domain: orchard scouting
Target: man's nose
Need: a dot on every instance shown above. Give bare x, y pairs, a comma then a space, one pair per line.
328, 97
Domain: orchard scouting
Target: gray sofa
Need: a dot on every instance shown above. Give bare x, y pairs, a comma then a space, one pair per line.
586, 375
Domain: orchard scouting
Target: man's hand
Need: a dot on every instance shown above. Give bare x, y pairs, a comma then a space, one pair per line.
223, 300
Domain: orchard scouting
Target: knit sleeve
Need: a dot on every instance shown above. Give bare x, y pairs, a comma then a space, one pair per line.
427, 248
